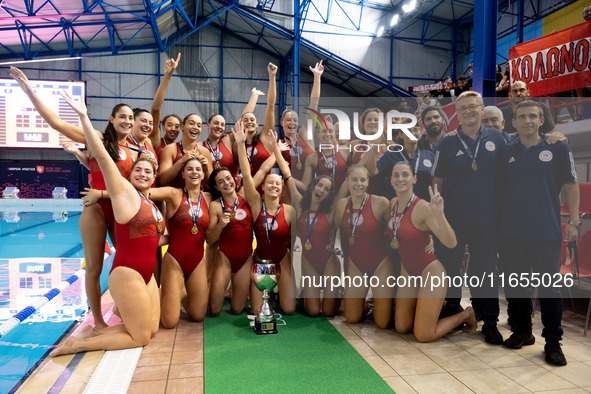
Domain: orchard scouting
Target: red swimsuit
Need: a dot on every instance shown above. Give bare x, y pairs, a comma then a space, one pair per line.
276, 246
317, 256
137, 241
369, 250
340, 172
124, 165
236, 237
226, 159
186, 248
292, 158
412, 243
258, 157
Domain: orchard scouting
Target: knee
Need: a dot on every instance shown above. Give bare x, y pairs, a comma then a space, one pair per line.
288, 306
383, 322
168, 320
403, 328
423, 336
142, 338
353, 317
312, 310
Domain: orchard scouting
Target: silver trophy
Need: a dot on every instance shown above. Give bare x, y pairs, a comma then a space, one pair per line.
265, 274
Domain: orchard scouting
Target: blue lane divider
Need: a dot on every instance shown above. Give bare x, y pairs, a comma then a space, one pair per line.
39, 302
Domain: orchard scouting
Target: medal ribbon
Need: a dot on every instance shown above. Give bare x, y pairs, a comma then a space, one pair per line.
224, 206
216, 152
310, 226
333, 167
267, 227
194, 215
407, 159
354, 225
183, 149
468, 151
157, 213
397, 219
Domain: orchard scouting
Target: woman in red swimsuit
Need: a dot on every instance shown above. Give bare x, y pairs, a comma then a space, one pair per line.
271, 221
173, 156
96, 219
361, 219
219, 145
315, 214
411, 220
328, 160
257, 144
184, 264
138, 227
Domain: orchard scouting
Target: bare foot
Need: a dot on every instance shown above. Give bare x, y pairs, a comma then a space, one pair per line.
99, 325
86, 332
68, 346
471, 324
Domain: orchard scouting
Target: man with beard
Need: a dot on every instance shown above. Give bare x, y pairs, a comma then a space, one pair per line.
518, 93
432, 119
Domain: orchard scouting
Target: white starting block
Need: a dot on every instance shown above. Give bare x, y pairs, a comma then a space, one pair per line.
11, 217
10, 192
60, 192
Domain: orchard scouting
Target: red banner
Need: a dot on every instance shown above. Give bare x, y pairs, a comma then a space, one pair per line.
554, 63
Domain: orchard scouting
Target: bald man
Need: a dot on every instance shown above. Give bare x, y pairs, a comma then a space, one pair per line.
518, 93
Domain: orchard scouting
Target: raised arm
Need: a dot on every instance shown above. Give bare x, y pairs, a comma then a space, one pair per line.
71, 131
271, 96
267, 165
250, 191
436, 220
283, 165
169, 68
252, 102
73, 149
120, 190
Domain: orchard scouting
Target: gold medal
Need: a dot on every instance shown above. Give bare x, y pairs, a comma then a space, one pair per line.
217, 165
159, 227
194, 230
299, 165
308, 245
351, 240
232, 214
394, 244
474, 165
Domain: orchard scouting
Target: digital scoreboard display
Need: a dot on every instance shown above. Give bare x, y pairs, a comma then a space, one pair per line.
21, 126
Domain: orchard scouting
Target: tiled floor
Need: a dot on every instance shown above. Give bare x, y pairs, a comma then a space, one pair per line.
457, 363
463, 363
172, 362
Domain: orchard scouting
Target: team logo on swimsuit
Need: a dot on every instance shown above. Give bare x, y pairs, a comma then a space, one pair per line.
240, 214
545, 155
221, 156
122, 154
293, 152
355, 220
490, 146
330, 161
192, 211
427, 163
275, 225
391, 223
250, 152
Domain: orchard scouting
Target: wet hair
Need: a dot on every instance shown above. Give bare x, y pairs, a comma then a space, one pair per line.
257, 135
186, 118
326, 204
215, 193
357, 167
172, 116
403, 163
213, 116
429, 109
286, 112
138, 111
110, 135
147, 159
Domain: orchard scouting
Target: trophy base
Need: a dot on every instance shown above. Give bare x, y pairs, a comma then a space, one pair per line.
261, 328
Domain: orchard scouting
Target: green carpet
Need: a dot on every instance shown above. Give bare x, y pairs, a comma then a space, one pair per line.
307, 355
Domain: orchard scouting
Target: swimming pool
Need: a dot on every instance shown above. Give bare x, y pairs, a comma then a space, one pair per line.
40, 247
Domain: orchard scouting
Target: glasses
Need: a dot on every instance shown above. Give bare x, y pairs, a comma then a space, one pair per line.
471, 108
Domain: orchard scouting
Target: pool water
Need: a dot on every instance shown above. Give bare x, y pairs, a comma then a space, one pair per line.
38, 250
